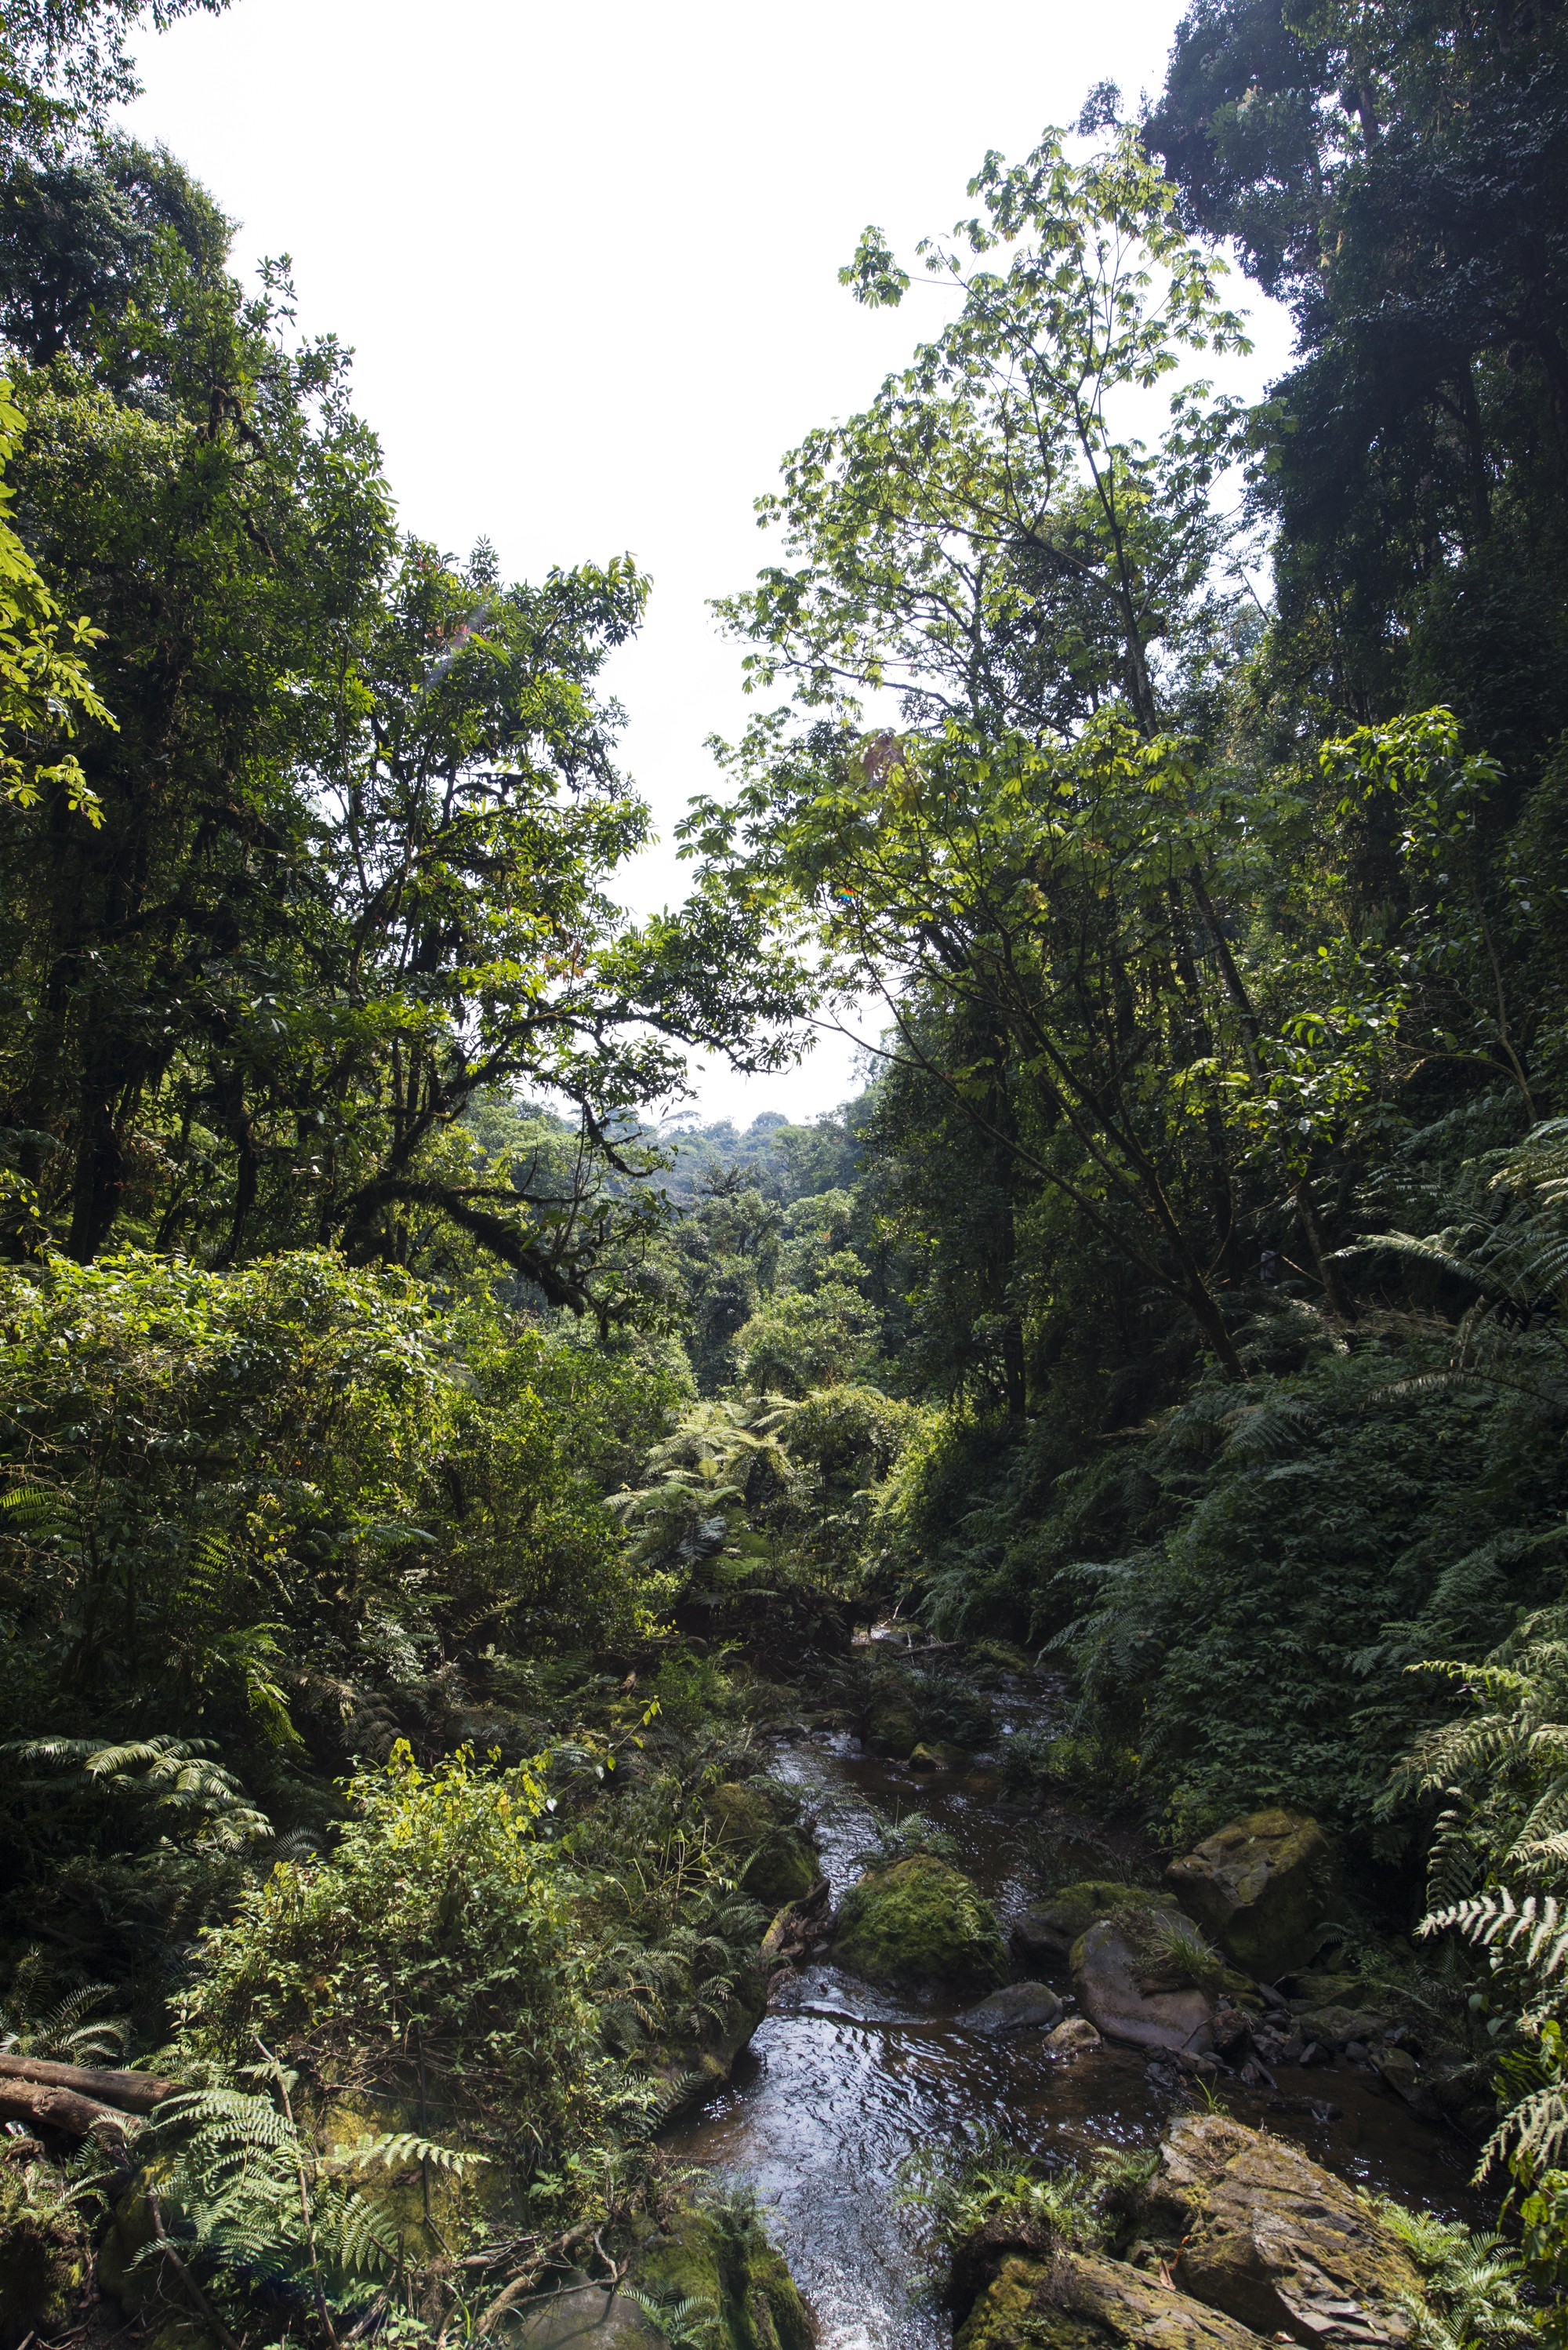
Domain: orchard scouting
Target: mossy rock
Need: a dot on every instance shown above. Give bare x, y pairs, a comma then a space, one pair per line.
717, 2253
920, 1921
1079, 2300
743, 1811
1049, 1928
1276, 2241
782, 1870
44, 2263
760, 1815
892, 1728
1263, 1887
574, 2313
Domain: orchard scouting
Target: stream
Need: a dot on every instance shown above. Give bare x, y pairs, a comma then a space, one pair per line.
843, 2081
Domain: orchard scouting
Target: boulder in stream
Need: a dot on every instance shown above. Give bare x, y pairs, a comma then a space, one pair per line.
918, 1921
1146, 1977
1276, 2241
1074, 2036
1017, 2007
1262, 1886
1048, 1929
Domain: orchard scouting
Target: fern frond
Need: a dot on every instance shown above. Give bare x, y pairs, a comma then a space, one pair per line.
396, 2147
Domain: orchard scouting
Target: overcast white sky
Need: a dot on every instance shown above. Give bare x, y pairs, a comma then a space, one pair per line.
587, 258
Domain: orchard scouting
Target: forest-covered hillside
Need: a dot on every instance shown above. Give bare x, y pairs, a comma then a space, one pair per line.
433, 1468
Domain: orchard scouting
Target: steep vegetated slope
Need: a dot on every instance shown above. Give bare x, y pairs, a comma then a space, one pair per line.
425, 1476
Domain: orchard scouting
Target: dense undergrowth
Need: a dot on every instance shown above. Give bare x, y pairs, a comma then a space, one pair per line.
425, 1478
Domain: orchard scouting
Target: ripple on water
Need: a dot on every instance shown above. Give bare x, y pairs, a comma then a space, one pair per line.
844, 2082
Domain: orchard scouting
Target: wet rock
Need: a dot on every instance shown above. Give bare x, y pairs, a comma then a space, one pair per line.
920, 1921
1018, 2007
1079, 2300
1049, 1928
1074, 2036
940, 1755
1275, 2241
1262, 1886
1125, 1988
1399, 2070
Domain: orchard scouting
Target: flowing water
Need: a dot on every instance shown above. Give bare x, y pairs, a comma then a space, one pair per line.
842, 2082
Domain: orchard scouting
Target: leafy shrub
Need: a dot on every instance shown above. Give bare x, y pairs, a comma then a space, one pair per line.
276, 1518
434, 1954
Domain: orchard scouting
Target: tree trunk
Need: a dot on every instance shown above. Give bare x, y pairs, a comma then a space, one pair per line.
42, 2108
137, 2092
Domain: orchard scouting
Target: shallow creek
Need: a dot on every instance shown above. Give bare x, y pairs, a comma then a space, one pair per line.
843, 2081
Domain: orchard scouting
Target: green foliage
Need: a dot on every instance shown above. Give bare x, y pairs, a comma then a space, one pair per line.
232, 1491
955, 2193
65, 2030
1471, 2282
438, 1925
45, 689
263, 2210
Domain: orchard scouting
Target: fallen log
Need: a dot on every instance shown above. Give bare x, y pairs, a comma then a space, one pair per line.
137, 2092
41, 2104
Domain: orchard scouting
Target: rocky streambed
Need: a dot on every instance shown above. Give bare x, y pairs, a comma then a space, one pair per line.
1127, 2026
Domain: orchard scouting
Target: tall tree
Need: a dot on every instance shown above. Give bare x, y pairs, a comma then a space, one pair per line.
1399, 176
354, 820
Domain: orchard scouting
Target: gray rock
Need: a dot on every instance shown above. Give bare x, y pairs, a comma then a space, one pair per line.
1277, 2241
1399, 2070
1262, 1886
1105, 1976
1049, 1928
1021, 2007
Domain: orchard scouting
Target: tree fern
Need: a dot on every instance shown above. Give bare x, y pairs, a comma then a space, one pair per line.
177, 1774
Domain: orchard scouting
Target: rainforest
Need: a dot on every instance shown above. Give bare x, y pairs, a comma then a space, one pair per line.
943, 1723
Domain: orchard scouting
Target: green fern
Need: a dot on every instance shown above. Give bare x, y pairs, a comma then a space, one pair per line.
261, 2201
66, 2031
176, 1775
1473, 2282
